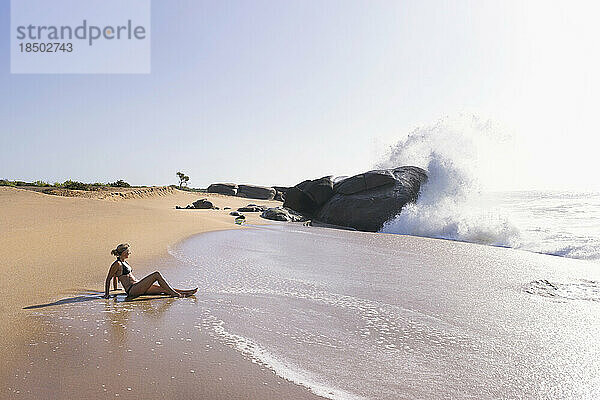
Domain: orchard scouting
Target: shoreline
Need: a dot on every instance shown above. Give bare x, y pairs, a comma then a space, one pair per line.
58, 248
54, 348
399, 299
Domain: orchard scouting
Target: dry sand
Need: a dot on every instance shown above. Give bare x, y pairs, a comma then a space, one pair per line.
54, 247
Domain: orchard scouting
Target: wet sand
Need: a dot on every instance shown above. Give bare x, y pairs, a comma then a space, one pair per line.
354, 315
344, 315
55, 251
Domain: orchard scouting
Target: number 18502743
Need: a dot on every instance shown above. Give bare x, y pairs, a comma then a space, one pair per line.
46, 47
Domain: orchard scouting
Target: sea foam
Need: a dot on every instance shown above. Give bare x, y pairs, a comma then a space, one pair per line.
457, 153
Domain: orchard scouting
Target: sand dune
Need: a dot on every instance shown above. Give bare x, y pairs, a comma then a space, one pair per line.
110, 193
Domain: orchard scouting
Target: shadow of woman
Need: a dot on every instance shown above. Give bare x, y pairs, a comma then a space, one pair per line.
90, 297
76, 299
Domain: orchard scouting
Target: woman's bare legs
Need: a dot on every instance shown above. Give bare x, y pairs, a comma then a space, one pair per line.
143, 285
155, 289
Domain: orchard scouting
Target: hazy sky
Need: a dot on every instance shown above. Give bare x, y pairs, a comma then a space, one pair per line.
274, 92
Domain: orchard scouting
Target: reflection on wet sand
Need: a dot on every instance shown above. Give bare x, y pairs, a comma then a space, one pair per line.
121, 310
115, 344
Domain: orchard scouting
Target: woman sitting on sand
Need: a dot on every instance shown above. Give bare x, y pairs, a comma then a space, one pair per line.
121, 269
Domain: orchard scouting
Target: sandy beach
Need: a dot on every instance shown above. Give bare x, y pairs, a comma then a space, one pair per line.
54, 248
284, 311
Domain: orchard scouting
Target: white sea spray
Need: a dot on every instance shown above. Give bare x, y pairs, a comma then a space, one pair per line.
457, 154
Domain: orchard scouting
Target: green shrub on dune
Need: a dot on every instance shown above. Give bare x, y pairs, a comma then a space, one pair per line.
6, 182
68, 184
75, 185
120, 183
41, 184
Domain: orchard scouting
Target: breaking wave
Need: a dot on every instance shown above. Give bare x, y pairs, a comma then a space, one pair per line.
449, 205
462, 156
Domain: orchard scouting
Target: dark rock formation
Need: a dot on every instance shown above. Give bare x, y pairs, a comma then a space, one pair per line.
256, 192
319, 190
366, 201
235, 213
203, 204
252, 208
229, 189
296, 199
282, 214
280, 192
308, 196
366, 181
363, 202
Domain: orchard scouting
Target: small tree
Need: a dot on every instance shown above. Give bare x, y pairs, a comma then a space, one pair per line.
183, 179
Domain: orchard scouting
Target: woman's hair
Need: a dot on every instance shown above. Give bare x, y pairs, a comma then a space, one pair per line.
120, 249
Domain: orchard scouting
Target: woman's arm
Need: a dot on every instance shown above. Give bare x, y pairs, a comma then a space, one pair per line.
114, 283
112, 272
107, 287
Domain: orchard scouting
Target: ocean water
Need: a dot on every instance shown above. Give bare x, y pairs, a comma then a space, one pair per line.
466, 157
565, 224
353, 315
